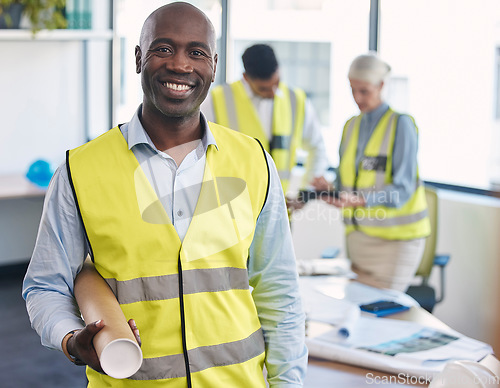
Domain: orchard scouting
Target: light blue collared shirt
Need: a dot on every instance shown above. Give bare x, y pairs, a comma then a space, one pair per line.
61, 248
404, 158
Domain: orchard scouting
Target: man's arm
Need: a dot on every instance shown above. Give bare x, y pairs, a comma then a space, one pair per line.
314, 144
59, 253
273, 276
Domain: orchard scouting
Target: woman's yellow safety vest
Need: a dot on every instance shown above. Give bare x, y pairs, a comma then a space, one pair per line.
234, 109
191, 300
407, 222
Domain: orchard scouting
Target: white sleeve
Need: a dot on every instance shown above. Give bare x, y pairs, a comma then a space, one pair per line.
314, 144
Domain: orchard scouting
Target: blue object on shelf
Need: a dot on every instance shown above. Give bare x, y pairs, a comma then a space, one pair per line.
40, 173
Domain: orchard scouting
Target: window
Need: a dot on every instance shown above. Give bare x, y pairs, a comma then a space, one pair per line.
130, 16
315, 41
296, 59
445, 60
497, 83
447, 52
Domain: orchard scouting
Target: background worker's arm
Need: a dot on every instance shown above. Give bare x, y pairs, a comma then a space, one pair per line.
313, 142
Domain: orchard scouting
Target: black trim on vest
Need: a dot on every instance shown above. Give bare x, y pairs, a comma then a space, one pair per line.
70, 178
183, 322
268, 174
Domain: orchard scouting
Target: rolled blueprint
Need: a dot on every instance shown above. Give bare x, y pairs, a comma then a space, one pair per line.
119, 354
345, 327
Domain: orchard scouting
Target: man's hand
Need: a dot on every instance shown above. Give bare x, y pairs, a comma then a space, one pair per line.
135, 330
346, 200
293, 204
80, 345
320, 184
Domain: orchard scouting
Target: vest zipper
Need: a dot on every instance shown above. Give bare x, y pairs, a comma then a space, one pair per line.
183, 323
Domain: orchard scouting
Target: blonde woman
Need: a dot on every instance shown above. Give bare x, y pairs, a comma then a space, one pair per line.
382, 197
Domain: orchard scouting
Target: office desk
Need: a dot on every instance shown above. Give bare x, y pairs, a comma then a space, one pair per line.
326, 374
21, 204
15, 186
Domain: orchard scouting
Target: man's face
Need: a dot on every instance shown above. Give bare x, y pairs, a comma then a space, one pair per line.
265, 88
366, 94
177, 62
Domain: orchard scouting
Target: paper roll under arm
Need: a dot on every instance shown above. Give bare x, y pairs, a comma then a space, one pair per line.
119, 354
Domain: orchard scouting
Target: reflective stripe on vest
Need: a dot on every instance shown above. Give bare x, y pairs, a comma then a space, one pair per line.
195, 312
382, 220
373, 175
234, 109
202, 358
166, 287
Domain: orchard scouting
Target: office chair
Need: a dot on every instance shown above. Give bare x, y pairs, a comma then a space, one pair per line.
424, 293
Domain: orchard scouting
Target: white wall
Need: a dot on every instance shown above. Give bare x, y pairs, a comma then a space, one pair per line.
41, 94
40, 100
42, 113
469, 228
19, 219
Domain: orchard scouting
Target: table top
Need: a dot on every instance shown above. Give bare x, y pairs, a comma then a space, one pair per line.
327, 373
323, 373
14, 186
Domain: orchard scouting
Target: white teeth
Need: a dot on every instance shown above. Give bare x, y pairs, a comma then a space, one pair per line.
176, 86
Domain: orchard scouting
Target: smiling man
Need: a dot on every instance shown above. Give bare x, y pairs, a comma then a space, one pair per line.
186, 222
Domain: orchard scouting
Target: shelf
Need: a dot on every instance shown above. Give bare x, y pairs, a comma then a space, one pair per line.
14, 186
55, 35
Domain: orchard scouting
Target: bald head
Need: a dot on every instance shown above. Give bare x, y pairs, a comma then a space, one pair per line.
177, 61
174, 11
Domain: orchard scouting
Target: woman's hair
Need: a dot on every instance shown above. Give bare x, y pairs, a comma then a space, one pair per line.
370, 68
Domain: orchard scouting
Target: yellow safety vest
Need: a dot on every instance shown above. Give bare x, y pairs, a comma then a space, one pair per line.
234, 109
408, 222
191, 300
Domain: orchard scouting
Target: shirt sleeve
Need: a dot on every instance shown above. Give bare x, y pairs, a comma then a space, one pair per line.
58, 256
273, 276
314, 144
404, 167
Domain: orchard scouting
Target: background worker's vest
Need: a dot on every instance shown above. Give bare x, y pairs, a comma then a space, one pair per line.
408, 222
191, 300
234, 109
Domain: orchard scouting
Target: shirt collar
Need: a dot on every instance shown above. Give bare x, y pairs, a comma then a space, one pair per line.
377, 113
138, 135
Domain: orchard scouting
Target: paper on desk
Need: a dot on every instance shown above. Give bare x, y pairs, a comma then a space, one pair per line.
378, 343
359, 293
398, 347
336, 300
342, 314
334, 267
